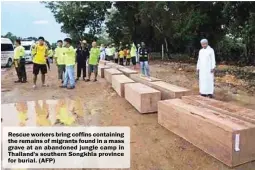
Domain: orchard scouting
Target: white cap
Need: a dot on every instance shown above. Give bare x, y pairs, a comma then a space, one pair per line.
204, 41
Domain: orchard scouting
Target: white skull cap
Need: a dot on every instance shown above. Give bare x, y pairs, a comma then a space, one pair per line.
204, 41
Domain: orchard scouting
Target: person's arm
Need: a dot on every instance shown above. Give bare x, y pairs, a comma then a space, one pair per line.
33, 52
22, 52
213, 62
198, 61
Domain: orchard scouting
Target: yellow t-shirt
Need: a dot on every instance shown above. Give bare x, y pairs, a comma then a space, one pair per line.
19, 52
121, 54
128, 54
40, 53
69, 56
59, 56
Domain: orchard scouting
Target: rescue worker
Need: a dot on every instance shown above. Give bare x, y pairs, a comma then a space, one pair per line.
121, 57
143, 57
60, 60
93, 60
39, 52
128, 55
82, 54
133, 52
19, 62
69, 55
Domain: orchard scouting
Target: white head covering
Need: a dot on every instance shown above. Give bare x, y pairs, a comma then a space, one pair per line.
204, 41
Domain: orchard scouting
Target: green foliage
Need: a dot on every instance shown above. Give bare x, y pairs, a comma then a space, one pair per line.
79, 19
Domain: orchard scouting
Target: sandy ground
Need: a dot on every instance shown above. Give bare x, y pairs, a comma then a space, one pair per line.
152, 146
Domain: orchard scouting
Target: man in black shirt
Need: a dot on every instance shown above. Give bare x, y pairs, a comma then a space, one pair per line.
82, 55
143, 57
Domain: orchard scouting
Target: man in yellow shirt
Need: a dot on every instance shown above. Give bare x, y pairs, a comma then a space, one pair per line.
39, 52
69, 58
94, 56
121, 56
60, 60
19, 61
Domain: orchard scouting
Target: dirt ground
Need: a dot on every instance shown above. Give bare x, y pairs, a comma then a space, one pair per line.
152, 146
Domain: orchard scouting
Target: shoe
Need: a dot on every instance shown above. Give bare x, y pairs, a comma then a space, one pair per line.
77, 79
45, 85
62, 81
71, 87
62, 86
94, 80
87, 80
24, 81
19, 81
34, 86
84, 79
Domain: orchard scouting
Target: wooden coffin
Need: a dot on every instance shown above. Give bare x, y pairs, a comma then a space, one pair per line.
142, 97
224, 137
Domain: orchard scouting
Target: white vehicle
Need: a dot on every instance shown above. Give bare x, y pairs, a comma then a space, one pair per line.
28, 49
7, 52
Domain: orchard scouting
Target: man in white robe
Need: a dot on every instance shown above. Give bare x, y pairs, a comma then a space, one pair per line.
205, 66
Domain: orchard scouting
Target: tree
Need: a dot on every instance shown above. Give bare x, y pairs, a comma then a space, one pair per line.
79, 18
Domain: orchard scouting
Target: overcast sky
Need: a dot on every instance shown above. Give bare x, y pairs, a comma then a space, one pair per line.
29, 19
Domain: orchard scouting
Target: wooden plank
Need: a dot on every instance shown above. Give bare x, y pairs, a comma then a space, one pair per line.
144, 80
142, 97
109, 72
112, 65
127, 71
118, 82
101, 69
169, 91
103, 62
222, 107
213, 132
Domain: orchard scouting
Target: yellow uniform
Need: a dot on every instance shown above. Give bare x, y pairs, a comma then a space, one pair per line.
40, 53
69, 55
19, 53
59, 56
121, 54
128, 54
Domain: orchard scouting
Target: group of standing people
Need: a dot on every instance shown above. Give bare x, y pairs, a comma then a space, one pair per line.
125, 55
66, 57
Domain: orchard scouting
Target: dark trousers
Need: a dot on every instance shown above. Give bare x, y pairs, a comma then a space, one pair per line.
48, 63
121, 61
21, 70
61, 72
128, 62
81, 67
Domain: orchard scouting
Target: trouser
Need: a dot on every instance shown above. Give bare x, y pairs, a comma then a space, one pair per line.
81, 67
21, 70
48, 63
134, 60
116, 60
128, 62
69, 76
144, 66
61, 72
121, 61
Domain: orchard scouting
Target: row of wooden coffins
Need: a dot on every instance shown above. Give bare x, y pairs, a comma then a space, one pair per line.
223, 130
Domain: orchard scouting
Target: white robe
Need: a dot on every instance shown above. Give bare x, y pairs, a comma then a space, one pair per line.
102, 53
206, 62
